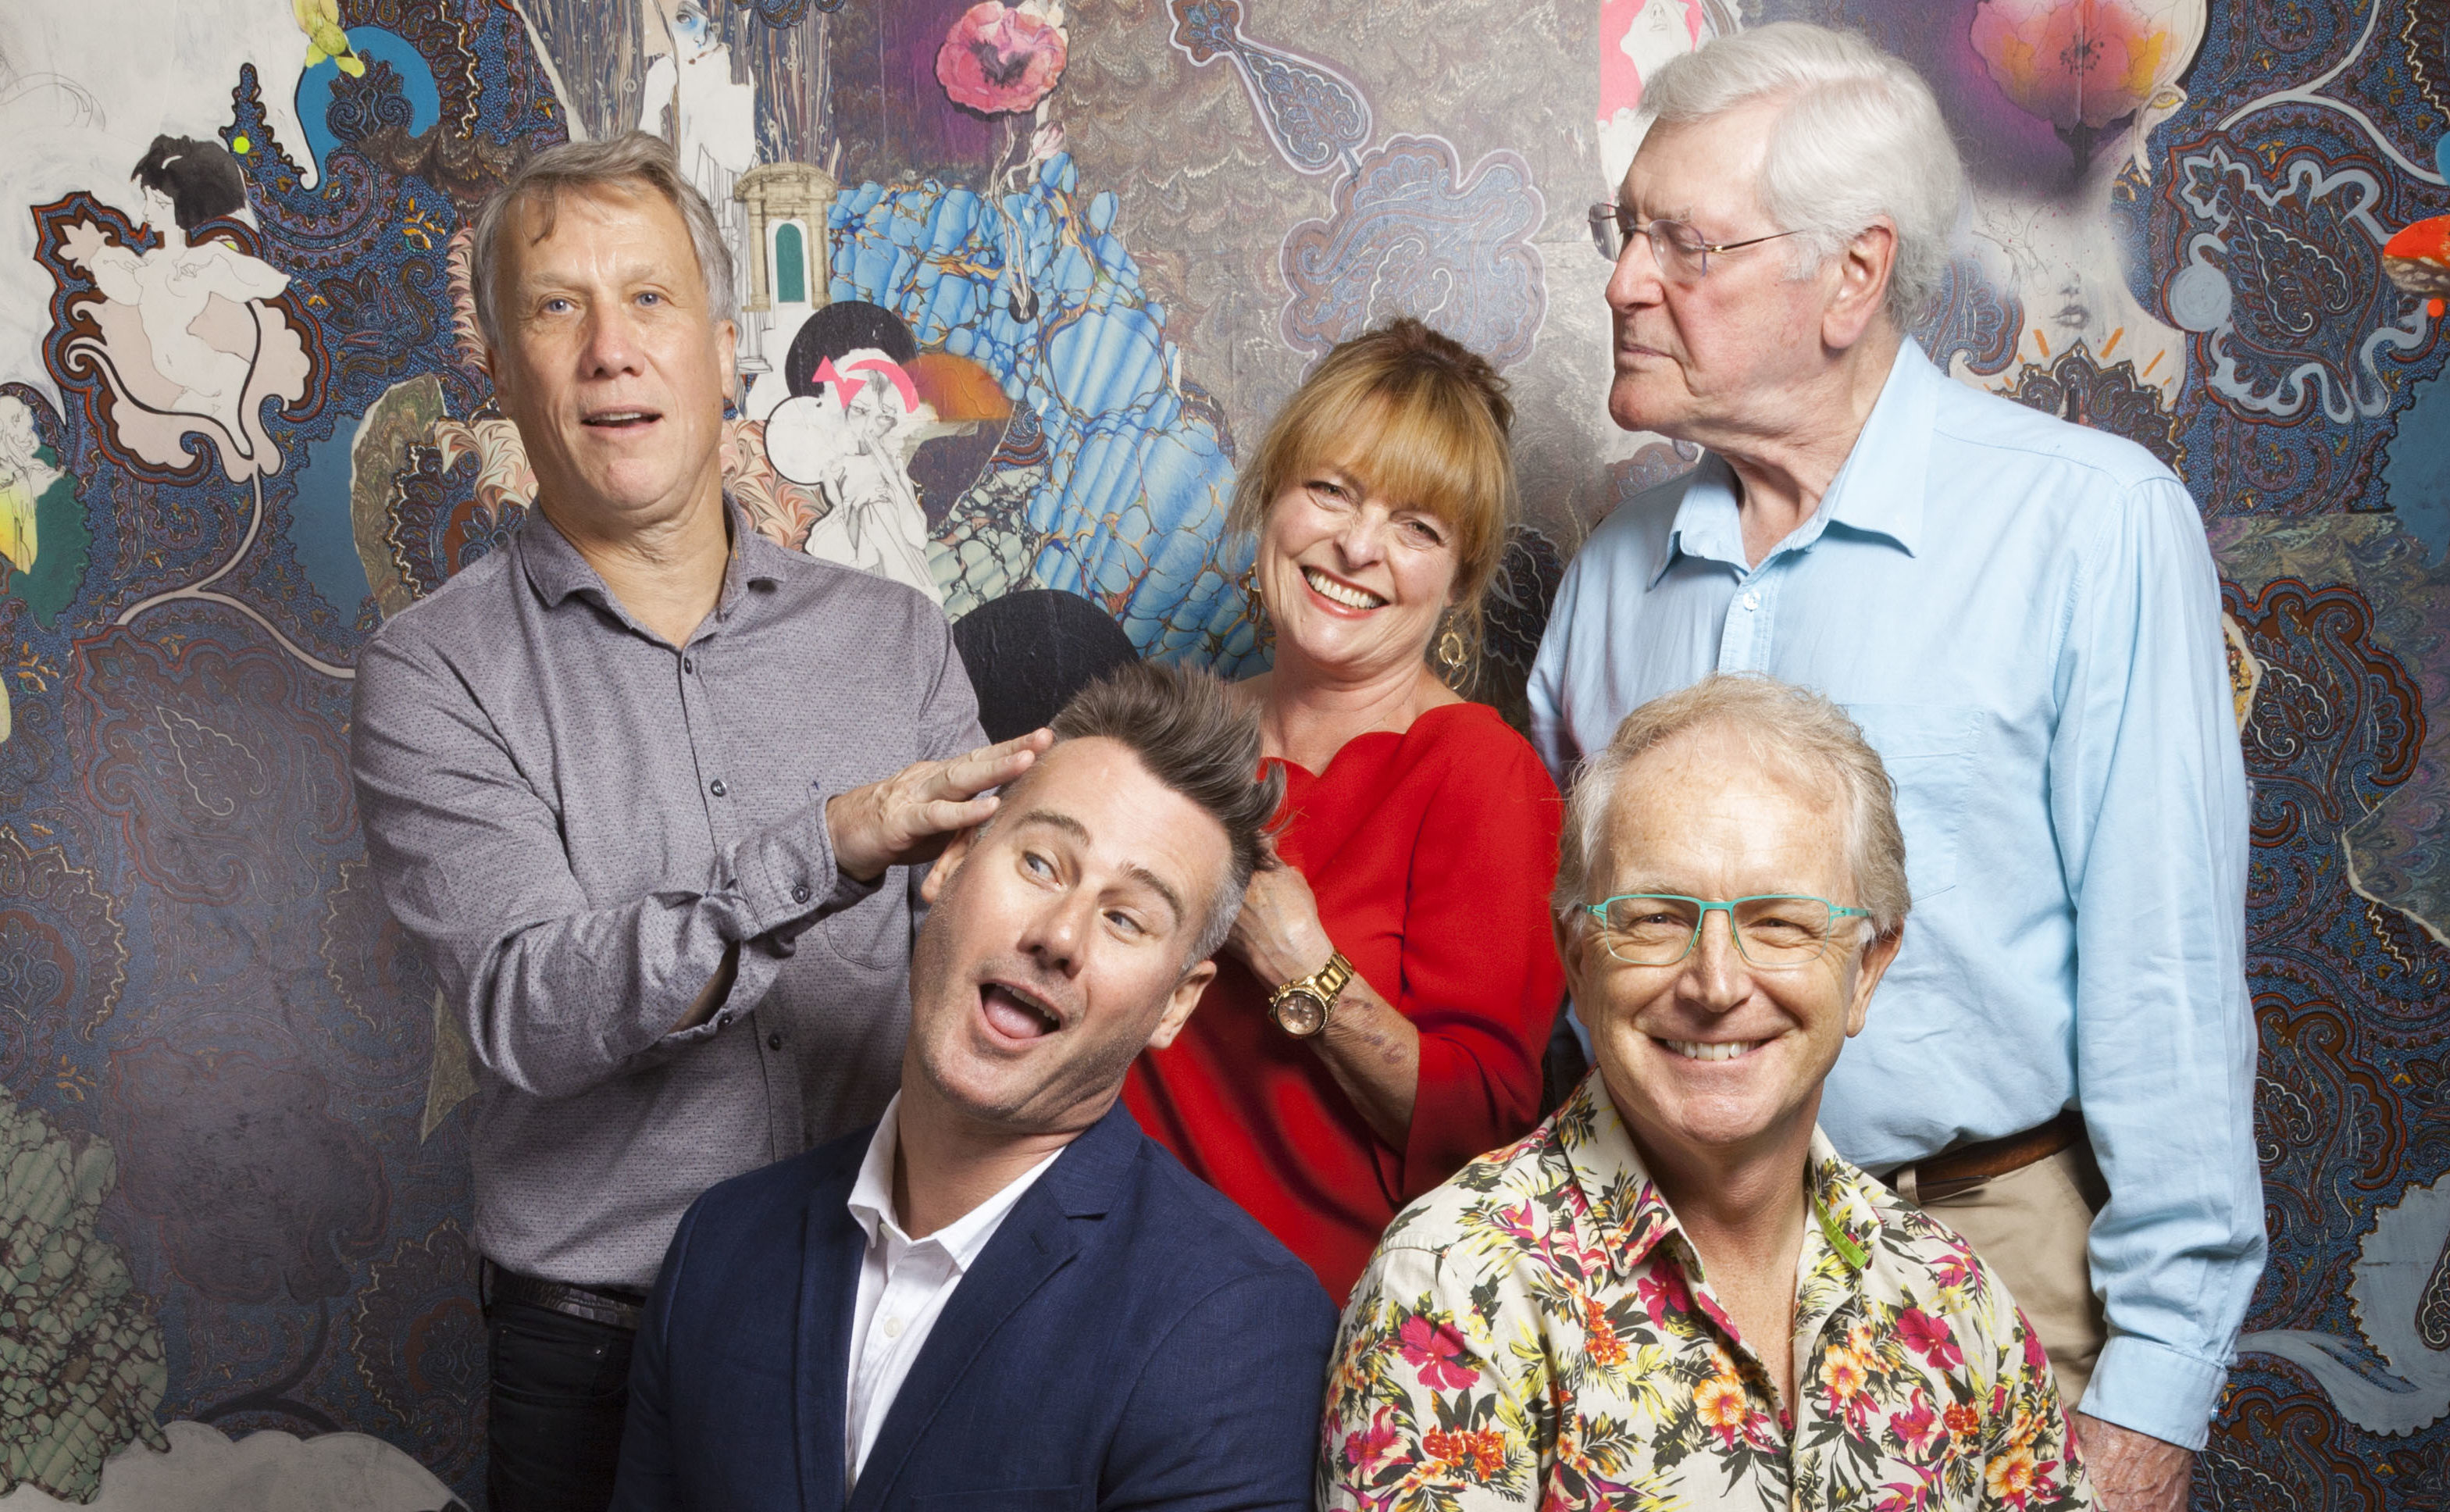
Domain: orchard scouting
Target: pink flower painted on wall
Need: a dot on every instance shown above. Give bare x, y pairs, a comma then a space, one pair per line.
2078, 64
1000, 58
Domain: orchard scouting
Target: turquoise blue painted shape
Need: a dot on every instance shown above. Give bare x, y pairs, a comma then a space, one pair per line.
2416, 467
790, 266
319, 522
371, 44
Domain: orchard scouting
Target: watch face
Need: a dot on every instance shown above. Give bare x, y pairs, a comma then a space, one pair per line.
1300, 1014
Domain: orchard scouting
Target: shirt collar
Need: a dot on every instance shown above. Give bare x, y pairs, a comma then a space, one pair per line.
871, 1198
1630, 1218
1891, 459
555, 570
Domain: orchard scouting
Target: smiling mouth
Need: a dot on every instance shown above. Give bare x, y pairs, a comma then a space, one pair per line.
1016, 1014
1712, 1050
1336, 593
621, 419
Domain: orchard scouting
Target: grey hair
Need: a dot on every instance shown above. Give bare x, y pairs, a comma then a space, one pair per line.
1859, 137
1193, 737
625, 162
1794, 730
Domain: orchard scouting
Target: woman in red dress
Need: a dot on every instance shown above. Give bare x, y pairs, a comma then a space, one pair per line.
1379, 1014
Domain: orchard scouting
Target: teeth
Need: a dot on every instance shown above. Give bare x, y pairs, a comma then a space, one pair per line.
1037, 1006
1329, 588
1721, 1050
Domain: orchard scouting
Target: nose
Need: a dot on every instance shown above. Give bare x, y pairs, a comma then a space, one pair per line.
1715, 977
612, 347
1054, 937
1363, 539
1637, 280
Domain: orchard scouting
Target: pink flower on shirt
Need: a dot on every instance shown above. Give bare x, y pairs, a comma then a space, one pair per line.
1436, 1350
1663, 1293
1930, 1337
1368, 1449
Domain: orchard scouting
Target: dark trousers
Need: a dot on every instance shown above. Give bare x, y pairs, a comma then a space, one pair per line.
561, 1388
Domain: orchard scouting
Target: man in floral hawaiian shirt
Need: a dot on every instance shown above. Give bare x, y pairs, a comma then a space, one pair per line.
1675, 1292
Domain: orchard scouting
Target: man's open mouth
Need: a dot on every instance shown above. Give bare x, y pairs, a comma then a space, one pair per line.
1015, 1013
621, 419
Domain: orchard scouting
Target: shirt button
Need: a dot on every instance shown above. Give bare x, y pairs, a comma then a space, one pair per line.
716, 788
1752, 601
774, 1040
799, 892
893, 1327
688, 664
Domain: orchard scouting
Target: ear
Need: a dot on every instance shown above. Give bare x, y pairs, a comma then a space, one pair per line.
956, 850
1573, 948
1876, 957
1861, 296
727, 336
1179, 1003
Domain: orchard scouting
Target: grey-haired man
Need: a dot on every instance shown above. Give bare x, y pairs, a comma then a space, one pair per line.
649, 790
2022, 615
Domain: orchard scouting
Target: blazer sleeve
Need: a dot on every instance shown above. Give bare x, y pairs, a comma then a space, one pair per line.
1481, 983
1224, 1417
647, 1480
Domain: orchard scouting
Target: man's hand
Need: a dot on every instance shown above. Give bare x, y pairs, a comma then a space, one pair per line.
908, 817
2131, 1471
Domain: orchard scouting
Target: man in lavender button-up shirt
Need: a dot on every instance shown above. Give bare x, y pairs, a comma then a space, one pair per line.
653, 793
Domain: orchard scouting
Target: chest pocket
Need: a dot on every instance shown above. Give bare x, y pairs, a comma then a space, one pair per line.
1931, 753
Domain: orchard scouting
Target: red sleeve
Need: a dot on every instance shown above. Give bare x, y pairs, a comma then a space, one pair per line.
1481, 981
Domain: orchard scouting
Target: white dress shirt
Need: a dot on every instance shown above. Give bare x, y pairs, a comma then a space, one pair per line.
903, 1283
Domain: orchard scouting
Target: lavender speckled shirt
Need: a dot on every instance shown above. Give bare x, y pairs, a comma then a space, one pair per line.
574, 819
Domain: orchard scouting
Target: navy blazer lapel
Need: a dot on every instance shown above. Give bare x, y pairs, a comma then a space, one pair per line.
1039, 1236
833, 1246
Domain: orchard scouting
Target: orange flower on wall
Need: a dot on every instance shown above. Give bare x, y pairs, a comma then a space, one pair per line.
2080, 64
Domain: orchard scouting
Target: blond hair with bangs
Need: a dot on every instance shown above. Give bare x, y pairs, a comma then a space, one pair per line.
1419, 420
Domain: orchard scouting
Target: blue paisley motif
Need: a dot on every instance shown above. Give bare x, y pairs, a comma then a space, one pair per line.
1412, 235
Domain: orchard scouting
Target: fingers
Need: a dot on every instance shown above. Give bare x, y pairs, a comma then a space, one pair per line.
989, 766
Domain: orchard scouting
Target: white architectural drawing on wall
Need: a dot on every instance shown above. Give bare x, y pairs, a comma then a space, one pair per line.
789, 268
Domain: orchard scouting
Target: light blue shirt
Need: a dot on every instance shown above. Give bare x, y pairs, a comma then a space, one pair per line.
2023, 616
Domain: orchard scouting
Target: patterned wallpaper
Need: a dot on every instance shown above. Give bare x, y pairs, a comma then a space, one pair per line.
240, 423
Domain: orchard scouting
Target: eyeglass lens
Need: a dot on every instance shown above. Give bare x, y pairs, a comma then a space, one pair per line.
1672, 244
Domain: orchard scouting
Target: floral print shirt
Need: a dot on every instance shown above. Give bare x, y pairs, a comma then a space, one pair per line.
1538, 1332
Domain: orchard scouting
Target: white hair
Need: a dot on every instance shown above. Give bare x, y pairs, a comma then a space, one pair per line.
1792, 730
1859, 137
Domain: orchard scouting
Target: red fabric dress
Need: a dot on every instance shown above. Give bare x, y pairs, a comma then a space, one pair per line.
1432, 854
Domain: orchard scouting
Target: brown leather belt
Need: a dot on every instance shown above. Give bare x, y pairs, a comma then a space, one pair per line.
614, 1307
1954, 1170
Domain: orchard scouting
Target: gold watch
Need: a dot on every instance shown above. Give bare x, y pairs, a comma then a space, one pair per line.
1300, 1007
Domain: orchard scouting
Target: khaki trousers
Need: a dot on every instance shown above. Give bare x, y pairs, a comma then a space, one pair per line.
2030, 1228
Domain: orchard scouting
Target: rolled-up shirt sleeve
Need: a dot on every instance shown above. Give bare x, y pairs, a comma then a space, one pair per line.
2149, 799
553, 994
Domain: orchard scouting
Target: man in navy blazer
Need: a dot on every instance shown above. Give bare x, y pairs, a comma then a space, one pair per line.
1005, 1296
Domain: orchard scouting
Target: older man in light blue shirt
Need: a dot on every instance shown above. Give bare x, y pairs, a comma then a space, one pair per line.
2024, 617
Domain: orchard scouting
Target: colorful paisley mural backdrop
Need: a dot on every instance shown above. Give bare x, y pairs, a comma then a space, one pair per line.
1022, 281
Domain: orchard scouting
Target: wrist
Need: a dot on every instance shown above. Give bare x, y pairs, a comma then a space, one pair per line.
848, 859
1302, 1006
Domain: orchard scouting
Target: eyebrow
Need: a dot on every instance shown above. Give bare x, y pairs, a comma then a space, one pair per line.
1137, 873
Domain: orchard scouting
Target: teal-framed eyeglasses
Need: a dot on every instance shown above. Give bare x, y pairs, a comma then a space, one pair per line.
1775, 930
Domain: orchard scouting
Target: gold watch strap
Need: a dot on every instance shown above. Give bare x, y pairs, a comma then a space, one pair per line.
1327, 984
